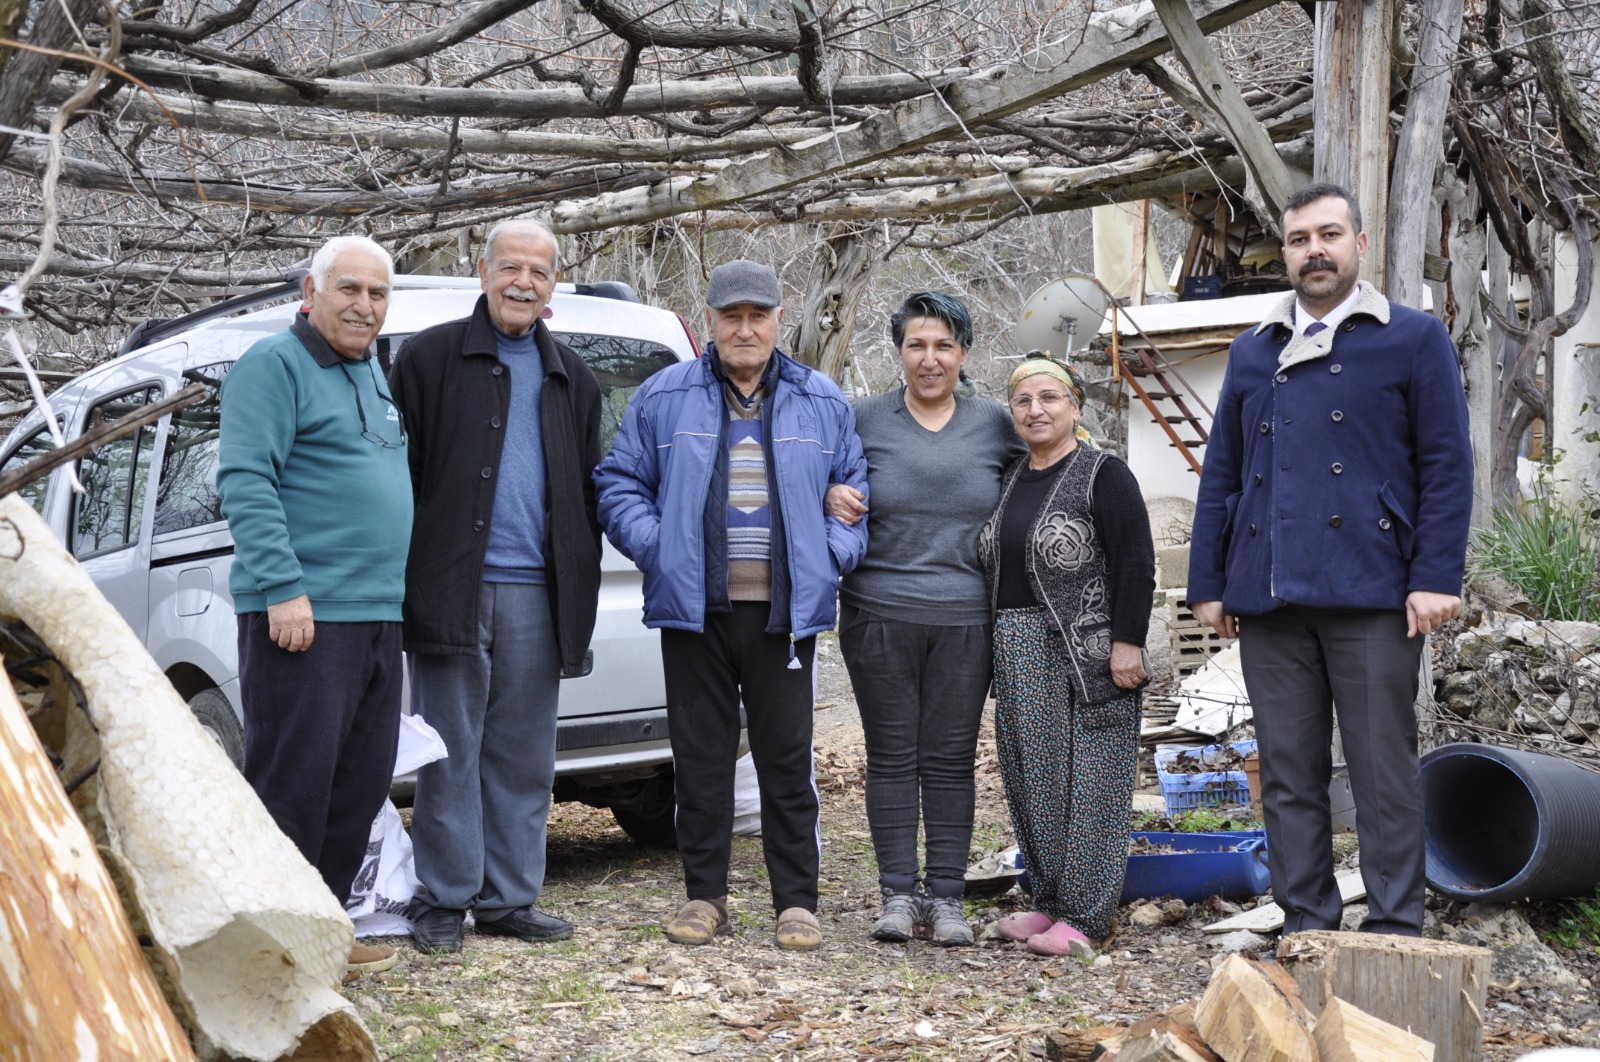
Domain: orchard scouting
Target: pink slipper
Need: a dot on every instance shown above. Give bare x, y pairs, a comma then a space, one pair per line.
1020, 927
1061, 939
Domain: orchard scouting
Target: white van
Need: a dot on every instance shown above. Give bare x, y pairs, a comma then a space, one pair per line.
150, 532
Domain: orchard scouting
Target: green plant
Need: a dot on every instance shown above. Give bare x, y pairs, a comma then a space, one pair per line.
1577, 924
1548, 550
1196, 820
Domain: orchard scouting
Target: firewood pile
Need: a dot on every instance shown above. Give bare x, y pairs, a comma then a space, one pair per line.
1329, 997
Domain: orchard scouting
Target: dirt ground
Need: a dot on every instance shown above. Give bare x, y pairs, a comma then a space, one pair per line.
620, 990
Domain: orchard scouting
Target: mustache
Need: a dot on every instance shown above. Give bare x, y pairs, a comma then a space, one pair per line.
1318, 263
520, 293
360, 319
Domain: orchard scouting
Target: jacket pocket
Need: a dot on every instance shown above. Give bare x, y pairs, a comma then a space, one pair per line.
1400, 524
1225, 539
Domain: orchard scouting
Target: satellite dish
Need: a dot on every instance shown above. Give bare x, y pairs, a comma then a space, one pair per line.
1063, 316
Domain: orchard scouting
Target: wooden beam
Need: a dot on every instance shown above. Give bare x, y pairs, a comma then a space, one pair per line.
1352, 112
1269, 184
540, 104
75, 984
1419, 152
1111, 41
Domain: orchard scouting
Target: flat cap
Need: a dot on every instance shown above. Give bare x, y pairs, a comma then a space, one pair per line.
743, 283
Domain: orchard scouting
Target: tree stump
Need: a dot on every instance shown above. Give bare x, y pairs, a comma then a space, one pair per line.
1432, 988
76, 984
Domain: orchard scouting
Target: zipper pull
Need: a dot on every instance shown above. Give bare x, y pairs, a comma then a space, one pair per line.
793, 665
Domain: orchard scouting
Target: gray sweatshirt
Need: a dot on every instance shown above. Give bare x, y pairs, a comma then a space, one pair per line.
930, 493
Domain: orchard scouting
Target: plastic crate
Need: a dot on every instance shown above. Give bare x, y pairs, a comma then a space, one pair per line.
1230, 865
1207, 789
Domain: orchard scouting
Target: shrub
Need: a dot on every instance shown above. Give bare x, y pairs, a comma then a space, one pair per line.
1548, 550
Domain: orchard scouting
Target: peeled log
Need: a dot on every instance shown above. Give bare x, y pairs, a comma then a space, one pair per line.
1434, 988
1251, 1012
1346, 1033
252, 939
75, 984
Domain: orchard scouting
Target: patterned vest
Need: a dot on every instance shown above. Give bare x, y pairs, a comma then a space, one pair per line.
1067, 570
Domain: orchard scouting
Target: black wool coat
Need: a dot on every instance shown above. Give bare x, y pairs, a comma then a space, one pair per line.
453, 394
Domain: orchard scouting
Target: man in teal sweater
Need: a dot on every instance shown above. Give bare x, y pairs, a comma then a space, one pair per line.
315, 486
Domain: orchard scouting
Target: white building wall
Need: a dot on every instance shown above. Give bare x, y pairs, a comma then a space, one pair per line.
1575, 382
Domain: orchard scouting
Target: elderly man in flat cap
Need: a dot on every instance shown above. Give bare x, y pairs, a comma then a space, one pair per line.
715, 489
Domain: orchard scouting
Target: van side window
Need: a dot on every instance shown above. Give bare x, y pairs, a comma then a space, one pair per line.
186, 494
34, 446
619, 366
107, 515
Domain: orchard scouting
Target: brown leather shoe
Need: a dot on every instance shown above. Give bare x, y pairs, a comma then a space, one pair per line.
698, 921
369, 959
799, 930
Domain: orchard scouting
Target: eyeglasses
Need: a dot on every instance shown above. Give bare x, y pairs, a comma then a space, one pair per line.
1046, 399
366, 432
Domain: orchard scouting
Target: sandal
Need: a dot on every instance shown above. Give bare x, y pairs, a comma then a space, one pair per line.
698, 921
1061, 939
1020, 927
798, 930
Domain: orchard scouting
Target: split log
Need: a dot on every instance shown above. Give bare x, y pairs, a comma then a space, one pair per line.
1252, 1012
1431, 987
253, 941
1169, 1037
1075, 1045
75, 983
1346, 1033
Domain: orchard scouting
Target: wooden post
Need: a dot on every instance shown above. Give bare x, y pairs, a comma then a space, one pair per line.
76, 984
1351, 112
1432, 988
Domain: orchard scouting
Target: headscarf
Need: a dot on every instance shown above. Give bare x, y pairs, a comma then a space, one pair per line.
1038, 363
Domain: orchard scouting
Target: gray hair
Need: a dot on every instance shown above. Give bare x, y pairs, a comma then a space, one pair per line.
524, 225
322, 261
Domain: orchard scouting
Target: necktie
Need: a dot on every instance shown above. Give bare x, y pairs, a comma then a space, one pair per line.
1314, 327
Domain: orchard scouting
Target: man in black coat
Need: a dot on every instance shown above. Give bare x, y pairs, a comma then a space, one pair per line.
502, 584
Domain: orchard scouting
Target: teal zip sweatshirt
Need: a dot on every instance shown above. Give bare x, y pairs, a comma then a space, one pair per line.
315, 507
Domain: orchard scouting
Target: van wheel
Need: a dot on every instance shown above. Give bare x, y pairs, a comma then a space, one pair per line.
222, 726
652, 819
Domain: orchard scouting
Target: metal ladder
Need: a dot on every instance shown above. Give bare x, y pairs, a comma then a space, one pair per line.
1167, 402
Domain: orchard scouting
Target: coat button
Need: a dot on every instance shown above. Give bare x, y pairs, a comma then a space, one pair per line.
494, 422
1283, 377
1252, 529
1258, 479
1265, 427
1336, 369
1349, 326
1337, 468
1384, 523
1337, 416
487, 472
1335, 521
498, 369
477, 525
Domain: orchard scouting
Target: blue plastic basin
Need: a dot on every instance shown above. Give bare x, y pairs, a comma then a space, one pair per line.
1230, 865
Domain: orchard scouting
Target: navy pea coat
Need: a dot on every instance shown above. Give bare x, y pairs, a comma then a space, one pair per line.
1338, 473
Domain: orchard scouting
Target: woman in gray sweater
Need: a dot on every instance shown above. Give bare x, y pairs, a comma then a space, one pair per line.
914, 615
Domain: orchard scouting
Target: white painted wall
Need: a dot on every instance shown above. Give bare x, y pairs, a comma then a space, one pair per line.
1575, 372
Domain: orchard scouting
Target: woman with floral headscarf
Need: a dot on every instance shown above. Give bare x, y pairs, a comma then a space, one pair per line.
1071, 571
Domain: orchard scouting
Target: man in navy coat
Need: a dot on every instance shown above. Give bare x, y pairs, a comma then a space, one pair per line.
1330, 534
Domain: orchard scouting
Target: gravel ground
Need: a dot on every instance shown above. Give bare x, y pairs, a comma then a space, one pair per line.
620, 990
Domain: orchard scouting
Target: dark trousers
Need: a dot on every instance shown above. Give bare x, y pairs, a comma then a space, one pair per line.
706, 675
920, 690
1300, 664
320, 731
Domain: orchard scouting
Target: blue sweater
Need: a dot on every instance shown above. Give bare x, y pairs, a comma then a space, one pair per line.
315, 508
516, 530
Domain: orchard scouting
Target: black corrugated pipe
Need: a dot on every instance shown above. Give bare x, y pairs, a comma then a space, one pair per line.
1503, 824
